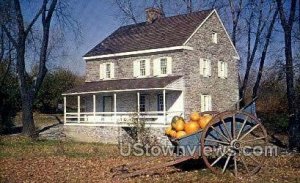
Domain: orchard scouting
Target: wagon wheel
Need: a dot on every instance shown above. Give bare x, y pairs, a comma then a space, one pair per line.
234, 141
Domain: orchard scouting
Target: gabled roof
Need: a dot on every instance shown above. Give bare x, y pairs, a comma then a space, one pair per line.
162, 33
123, 84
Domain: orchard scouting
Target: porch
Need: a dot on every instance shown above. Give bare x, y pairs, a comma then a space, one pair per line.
124, 106
154, 107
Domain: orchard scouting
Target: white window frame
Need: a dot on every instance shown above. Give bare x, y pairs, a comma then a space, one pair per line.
142, 67
222, 69
157, 70
137, 70
214, 37
205, 67
206, 102
163, 68
103, 72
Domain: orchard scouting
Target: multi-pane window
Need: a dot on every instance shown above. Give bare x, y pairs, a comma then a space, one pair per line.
205, 67
163, 66
142, 103
206, 103
222, 69
108, 70
142, 67
214, 37
160, 102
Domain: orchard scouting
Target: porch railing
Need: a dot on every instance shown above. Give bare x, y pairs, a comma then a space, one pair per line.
120, 118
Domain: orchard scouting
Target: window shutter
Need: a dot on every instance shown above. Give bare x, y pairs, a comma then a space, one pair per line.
201, 62
112, 70
202, 103
169, 65
156, 67
226, 70
147, 65
219, 69
136, 68
101, 71
208, 62
209, 102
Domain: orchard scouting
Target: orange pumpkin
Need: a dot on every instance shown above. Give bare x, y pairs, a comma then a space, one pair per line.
180, 134
191, 127
173, 133
204, 120
179, 126
168, 130
194, 116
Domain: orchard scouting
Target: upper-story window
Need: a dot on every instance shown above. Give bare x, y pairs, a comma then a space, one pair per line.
141, 68
205, 67
222, 69
106, 70
162, 66
214, 37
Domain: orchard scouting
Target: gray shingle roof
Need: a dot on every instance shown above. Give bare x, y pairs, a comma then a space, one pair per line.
162, 33
122, 84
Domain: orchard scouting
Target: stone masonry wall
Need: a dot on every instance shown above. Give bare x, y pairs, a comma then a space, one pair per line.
224, 92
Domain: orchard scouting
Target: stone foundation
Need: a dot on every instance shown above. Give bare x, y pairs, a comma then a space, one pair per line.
113, 135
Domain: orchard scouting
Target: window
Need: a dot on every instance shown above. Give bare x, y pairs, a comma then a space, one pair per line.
142, 103
106, 70
163, 66
143, 67
206, 104
160, 102
222, 69
214, 37
205, 67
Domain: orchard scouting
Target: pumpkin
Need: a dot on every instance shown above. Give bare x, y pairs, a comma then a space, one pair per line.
173, 133
168, 130
204, 120
194, 116
179, 126
191, 127
180, 134
174, 120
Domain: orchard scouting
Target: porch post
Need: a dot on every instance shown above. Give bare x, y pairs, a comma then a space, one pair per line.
138, 105
78, 108
94, 105
65, 109
164, 99
115, 107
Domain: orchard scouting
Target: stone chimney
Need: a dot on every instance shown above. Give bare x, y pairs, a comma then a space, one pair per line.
153, 14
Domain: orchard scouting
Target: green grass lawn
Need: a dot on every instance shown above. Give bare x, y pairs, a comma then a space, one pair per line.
26, 160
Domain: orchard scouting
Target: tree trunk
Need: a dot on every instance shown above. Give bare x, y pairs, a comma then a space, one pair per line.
27, 116
294, 122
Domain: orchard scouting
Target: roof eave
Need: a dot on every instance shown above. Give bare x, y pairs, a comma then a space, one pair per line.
184, 47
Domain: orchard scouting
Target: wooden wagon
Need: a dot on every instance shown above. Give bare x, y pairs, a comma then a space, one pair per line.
233, 141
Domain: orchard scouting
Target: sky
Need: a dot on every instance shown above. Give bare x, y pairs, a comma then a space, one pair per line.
97, 20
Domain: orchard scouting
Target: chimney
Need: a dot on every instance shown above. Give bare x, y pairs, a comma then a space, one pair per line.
153, 14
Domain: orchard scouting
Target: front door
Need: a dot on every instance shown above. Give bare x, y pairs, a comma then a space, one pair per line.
107, 104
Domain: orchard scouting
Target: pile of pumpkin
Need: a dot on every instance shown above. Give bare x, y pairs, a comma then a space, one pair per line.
179, 128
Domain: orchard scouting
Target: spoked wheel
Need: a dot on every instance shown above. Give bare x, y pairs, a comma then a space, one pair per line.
234, 141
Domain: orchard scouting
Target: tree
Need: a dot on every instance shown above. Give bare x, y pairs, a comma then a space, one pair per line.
29, 89
55, 83
287, 22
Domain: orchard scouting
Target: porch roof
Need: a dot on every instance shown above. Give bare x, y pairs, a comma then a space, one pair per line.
123, 85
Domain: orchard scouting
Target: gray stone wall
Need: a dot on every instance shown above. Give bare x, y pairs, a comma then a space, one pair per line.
124, 65
111, 135
224, 92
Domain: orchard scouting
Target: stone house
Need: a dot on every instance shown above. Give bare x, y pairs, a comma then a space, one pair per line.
152, 71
